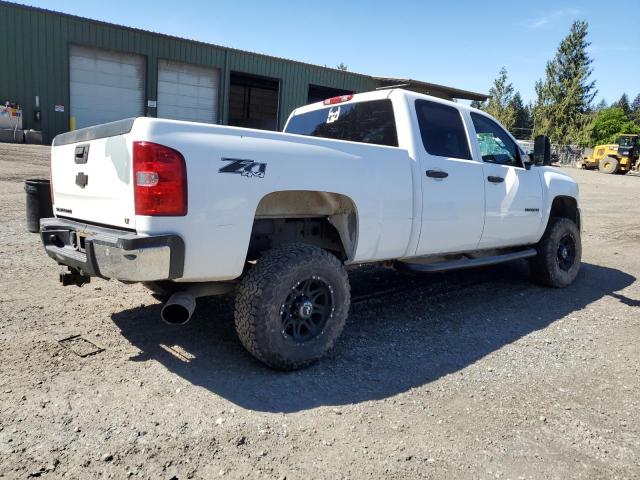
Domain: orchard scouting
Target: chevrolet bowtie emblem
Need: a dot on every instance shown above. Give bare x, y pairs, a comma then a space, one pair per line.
82, 180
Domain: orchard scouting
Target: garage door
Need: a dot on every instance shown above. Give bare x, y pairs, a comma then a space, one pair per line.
187, 92
105, 85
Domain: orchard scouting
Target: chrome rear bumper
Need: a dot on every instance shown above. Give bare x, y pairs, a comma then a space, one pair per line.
110, 253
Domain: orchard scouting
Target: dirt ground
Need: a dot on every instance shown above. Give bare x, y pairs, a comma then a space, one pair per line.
474, 374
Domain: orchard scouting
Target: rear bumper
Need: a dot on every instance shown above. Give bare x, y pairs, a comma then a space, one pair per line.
110, 253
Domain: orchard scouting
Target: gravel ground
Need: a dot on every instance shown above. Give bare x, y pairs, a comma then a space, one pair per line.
475, 374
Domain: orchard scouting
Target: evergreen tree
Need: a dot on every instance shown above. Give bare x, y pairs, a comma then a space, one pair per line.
635, 110
500, 100
522, 124
623, 103
529, 117
602, 104
477, 104
565, 95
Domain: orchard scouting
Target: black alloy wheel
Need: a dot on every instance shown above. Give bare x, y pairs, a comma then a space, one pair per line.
566, 254
306, 310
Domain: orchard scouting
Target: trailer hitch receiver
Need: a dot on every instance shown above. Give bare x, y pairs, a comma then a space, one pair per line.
73, 277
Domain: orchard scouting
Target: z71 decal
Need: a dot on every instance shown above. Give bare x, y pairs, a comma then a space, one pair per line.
246, 168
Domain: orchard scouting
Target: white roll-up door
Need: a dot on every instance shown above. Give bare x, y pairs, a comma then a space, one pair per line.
187, 92
105, 85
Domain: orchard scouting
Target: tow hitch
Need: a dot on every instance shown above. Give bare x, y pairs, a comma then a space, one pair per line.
73, 277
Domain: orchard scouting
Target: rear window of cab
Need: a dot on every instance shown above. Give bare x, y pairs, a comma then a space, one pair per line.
365, 122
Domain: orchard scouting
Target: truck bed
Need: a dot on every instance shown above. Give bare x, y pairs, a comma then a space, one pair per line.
229, 171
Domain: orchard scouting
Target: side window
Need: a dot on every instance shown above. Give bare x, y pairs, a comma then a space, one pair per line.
442, 130
495, 145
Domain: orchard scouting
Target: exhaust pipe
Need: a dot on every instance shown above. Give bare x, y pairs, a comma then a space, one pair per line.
179, 308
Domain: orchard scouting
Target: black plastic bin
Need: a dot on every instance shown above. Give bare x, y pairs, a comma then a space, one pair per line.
38, 202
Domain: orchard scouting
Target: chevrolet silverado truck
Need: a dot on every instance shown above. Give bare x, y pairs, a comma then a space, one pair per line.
390, 176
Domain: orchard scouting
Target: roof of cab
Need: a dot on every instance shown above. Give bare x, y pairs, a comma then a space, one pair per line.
379, 95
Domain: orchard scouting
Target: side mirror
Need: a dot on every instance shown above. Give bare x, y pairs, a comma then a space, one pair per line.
542, 150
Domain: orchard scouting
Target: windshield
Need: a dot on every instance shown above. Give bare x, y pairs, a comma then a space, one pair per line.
365, 122
626, 141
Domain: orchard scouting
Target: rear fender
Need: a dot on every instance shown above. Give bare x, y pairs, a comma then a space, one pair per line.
340, 210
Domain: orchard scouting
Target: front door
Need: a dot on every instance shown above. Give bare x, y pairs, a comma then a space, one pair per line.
513, 194
452, 182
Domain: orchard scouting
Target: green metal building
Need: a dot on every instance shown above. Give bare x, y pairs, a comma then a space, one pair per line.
67, 72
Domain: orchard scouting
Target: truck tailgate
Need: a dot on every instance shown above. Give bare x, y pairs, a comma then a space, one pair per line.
91, 175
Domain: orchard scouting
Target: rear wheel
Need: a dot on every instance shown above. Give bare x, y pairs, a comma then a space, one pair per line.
608, 165
559, 254
292, 306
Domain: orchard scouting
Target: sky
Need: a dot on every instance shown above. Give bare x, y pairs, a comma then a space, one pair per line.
461, 44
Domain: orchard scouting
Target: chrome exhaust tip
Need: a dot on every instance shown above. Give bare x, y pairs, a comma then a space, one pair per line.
178, 309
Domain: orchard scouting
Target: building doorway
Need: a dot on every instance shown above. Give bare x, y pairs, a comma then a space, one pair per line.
253, 101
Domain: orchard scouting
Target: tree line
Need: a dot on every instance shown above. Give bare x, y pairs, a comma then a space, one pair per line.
563, 108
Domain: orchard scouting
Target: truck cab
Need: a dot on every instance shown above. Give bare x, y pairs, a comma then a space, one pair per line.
475, 188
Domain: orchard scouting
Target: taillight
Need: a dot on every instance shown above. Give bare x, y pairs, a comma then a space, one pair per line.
340, 99
159, 180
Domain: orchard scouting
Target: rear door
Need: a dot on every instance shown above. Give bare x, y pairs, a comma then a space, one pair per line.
92, 179
513, 194
452, 182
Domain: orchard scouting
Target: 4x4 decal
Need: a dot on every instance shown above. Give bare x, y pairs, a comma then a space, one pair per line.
246, 168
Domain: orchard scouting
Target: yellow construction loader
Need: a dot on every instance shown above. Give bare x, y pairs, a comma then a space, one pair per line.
620, 157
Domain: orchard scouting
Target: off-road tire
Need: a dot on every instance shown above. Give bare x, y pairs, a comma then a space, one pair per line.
608, 165
546, 265
261, 297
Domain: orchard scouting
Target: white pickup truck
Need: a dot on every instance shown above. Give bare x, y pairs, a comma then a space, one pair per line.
388, 176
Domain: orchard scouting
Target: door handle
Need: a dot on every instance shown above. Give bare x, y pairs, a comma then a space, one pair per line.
493, 179
437, 174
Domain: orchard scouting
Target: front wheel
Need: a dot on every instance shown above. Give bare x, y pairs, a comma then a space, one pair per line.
609, 165
559, 254
292, 306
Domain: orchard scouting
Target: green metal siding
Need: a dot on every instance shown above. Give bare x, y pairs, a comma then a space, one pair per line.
34, 60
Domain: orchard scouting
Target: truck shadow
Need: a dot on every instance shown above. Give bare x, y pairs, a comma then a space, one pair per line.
404, 331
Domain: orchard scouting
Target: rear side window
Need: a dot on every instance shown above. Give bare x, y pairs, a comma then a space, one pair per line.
442, 130
365, 122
